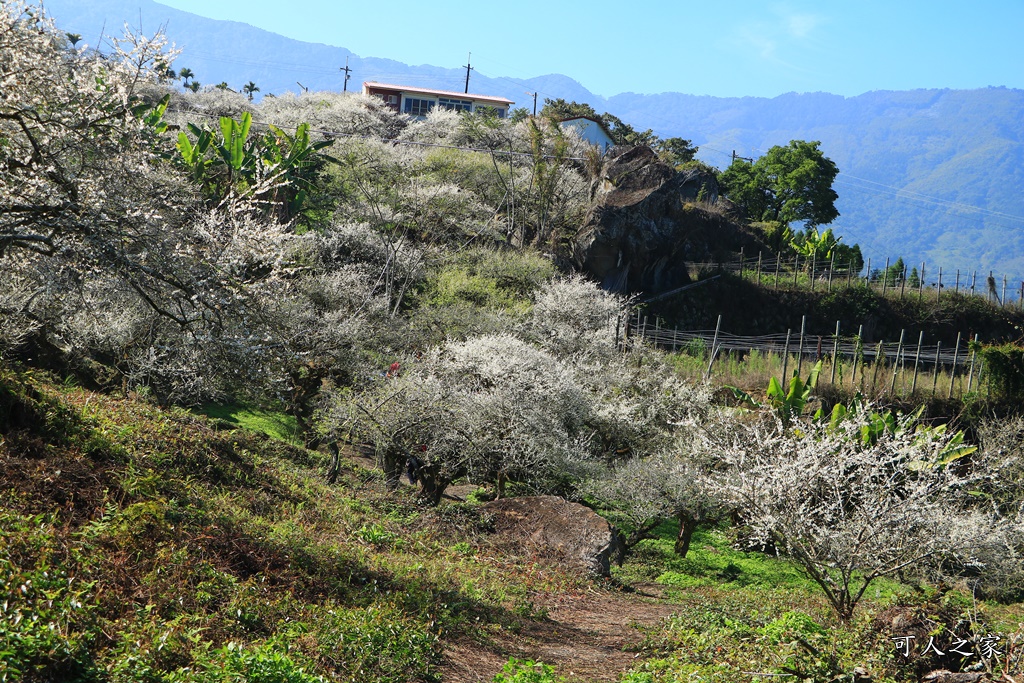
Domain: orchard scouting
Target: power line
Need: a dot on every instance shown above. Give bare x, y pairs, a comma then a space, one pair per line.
920, 196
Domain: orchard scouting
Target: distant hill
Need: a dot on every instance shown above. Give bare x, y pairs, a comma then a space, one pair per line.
935, 175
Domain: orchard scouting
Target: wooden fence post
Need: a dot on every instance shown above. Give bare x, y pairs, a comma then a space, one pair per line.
952, 371
1003, 302
935, 371
785, 359
759, 268
867, 276
714, 347
974, 281
741, 263
813, 268
858, 350
920, 291
938, 288
849, 275
974, 358
917, 361
800, 353
796, 270
831, 267
896, 365
835, 355
643, 331
956, 290
778, 264
903, 281
885, 275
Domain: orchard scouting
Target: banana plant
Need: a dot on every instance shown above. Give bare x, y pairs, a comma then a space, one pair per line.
153, 116
876, 425
233, 151
292, 159
194, 156
788, 403
810, 243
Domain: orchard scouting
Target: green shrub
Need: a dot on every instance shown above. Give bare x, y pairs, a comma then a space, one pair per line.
1005, 368
526, 671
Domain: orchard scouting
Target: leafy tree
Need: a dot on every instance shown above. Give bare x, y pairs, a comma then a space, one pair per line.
558, 109
676, 151
185, 74
787, 184
849, 256
250, 89
625, 134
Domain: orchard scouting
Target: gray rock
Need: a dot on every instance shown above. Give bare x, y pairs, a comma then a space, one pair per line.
645, 224
567, 532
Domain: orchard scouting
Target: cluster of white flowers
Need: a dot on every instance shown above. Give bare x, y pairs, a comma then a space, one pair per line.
850, 510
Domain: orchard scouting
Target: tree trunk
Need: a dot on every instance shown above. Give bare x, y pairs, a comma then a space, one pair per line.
393, 463
687, 525
432, 486
335, 467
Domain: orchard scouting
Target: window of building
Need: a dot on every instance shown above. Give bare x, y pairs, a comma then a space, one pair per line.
455, 105
486, 109
418, 107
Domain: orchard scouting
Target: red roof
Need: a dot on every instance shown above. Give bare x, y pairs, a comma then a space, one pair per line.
441, 93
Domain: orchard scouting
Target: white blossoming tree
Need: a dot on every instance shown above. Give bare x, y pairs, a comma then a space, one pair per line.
850, 510
493, 408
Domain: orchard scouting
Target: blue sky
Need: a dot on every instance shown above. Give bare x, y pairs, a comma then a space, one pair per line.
728, 48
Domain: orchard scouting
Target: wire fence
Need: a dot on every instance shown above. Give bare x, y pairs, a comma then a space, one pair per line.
798, 272
907, 367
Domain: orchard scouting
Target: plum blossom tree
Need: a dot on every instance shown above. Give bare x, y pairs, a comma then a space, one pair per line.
849, 511
492, 408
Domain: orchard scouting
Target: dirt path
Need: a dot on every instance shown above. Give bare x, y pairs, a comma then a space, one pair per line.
584, 637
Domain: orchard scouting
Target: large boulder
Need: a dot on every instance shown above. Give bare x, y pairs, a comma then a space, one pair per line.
647, 222
566, 532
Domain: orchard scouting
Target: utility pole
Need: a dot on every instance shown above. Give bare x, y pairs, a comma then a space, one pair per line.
735, 157
469, 61
347, 71
534, 104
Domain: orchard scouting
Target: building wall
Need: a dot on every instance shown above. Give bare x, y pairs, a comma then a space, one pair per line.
591, 132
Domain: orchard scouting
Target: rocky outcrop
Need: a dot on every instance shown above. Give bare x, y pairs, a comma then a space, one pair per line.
566, 532
647, 222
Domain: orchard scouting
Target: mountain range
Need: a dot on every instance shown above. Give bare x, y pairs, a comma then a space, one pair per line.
934, 176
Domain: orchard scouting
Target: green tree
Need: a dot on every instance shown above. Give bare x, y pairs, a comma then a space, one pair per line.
791, 183
560, 109
676, 151
249, 89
